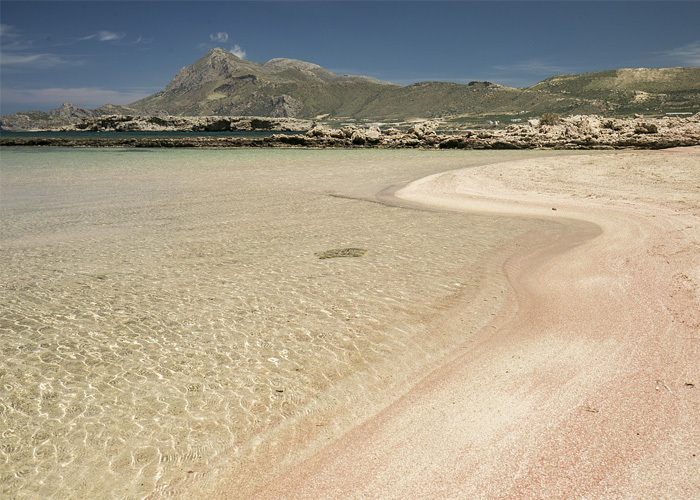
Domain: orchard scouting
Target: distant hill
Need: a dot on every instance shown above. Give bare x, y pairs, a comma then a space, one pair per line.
627, 91
221, 84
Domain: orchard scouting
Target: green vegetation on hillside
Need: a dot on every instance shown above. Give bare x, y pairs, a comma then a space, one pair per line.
221, 84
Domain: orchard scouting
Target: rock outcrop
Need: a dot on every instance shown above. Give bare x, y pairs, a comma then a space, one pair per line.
63, 117
70, 111
128, 123
575, 132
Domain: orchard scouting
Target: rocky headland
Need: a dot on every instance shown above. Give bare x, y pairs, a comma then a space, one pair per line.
82, 120
548, 132
128, 123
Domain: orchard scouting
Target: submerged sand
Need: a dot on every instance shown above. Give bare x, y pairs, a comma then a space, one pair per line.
523, 328
586, 384
165, 318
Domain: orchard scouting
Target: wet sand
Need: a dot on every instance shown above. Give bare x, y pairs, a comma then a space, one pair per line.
586, 384
166, 327
169, 332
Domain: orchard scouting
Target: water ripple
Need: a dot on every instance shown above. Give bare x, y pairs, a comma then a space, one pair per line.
154, 316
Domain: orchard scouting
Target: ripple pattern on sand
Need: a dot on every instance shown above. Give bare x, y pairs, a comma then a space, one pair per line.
159, 310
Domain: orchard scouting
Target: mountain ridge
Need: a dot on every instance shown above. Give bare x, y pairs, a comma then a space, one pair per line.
292, 88
222, 84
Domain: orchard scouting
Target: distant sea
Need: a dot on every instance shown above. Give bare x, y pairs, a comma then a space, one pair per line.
136, 134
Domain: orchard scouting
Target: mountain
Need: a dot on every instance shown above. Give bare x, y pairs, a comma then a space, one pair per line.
221, 84
626, 91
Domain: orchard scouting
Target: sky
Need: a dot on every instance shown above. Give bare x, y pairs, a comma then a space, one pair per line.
91, 53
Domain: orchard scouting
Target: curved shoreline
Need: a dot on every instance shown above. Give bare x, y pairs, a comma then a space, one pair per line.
587, 386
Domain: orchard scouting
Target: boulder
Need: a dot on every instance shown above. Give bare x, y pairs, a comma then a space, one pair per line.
319, 130
358, 138
373, 135
422, 129
646, 128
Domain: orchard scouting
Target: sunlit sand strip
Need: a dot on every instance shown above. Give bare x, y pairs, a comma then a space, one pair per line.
588, 384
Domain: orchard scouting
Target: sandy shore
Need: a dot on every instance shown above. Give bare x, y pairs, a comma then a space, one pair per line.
165, 320
168, 330
587, 384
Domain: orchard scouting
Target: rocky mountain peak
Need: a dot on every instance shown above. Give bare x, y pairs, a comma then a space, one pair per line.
283, 63
216, 65
222, 60
68, 110
222, 84
218, 50
219, 54
280, 65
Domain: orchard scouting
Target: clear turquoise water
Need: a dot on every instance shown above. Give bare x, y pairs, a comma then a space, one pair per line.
125, 135
162, 310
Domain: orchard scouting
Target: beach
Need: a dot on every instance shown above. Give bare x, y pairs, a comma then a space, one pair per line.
518, 324
585, 385
165, 314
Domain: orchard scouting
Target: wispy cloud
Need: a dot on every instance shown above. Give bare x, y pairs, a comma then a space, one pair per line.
87, 97
104, 36
141, 40
19, 53
220, 37
35, 61
687, 55
7, 31
237, 51
11, 39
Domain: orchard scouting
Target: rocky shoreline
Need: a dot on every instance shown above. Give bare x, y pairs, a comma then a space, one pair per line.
575, 132
70, 118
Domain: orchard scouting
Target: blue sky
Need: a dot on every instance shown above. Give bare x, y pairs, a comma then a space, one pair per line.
95, 52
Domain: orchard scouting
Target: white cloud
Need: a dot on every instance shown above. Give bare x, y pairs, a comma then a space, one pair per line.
104, 36
17, 54
141, 40
35, 61
8, 31
87, 97
688, 55
238, 51
12, 40
108, 36
221, 37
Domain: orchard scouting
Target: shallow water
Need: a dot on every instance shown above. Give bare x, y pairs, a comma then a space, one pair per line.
159, 308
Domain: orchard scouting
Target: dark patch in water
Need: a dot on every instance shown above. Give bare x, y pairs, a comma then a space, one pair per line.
341, 252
